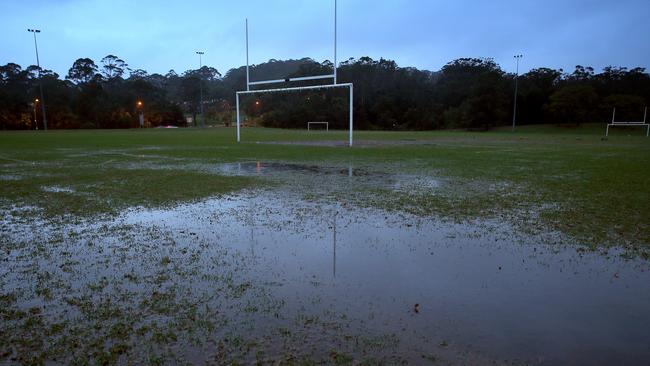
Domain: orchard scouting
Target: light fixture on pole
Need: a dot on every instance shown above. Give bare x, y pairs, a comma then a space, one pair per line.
40, 80
514, 112
139, 106
200, 53
35, 120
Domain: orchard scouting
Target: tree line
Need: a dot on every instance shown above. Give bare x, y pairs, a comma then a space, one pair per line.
470, 93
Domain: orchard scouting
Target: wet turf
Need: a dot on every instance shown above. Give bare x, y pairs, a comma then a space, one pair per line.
598, 191
297, 253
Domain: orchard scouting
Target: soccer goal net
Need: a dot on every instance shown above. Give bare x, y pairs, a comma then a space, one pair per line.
318, 126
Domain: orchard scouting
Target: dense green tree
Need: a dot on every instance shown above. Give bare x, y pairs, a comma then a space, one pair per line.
475, 93
83, 70
138, 74
471, 93
573, 104
114, 67
15, 100
535, 88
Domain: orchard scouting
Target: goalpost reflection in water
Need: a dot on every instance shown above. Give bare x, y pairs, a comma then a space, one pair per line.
251, 219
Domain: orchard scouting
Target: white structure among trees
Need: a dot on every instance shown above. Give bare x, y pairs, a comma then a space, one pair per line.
629, 124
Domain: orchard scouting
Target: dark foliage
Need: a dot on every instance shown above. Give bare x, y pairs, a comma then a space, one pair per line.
470, 93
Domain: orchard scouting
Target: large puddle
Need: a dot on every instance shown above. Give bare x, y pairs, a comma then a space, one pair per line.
391, 284
480, 286
329, 175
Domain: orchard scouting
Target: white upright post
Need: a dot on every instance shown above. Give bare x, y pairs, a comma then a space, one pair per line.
614, 115
514, 111
238, 122
351, 114
247, 72
645, 113
335, 39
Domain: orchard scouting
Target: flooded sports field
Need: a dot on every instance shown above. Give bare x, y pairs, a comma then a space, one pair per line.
308, 270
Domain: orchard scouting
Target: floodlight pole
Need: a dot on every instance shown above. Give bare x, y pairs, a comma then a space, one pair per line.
200, 53
514, 112
40, 78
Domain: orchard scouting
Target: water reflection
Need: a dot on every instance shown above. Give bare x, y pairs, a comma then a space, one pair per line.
334, 245
482, 285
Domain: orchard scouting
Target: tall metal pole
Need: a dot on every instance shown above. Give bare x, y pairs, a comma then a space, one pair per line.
335, 39
40, 79
238, 122
200, 53
514, 112
35, 121
351, 112
248, 88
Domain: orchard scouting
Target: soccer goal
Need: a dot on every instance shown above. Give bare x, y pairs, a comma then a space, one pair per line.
310, 124
250, 84
616, 123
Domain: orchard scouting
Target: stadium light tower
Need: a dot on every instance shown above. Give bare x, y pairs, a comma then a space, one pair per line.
40, 80
514, 112
201, 53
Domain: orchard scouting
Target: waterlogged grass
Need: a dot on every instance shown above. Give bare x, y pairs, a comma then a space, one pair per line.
138, 294
88, 191
593, 189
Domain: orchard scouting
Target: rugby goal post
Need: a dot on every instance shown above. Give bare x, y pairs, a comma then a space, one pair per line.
350, 87
629, 124
333, 76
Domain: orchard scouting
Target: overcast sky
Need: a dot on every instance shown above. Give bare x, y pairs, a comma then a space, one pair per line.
158, 35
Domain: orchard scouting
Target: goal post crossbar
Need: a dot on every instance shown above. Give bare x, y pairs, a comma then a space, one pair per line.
296, 88
303, 78
299, 88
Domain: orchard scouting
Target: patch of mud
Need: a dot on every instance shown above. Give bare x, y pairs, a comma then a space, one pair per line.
264, 276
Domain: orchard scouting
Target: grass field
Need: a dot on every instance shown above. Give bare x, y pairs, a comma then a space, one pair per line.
596, 190
182, 246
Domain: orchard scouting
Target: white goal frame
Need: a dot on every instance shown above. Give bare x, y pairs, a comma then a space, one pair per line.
629, 124
350, 86
327, 125
333, 76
